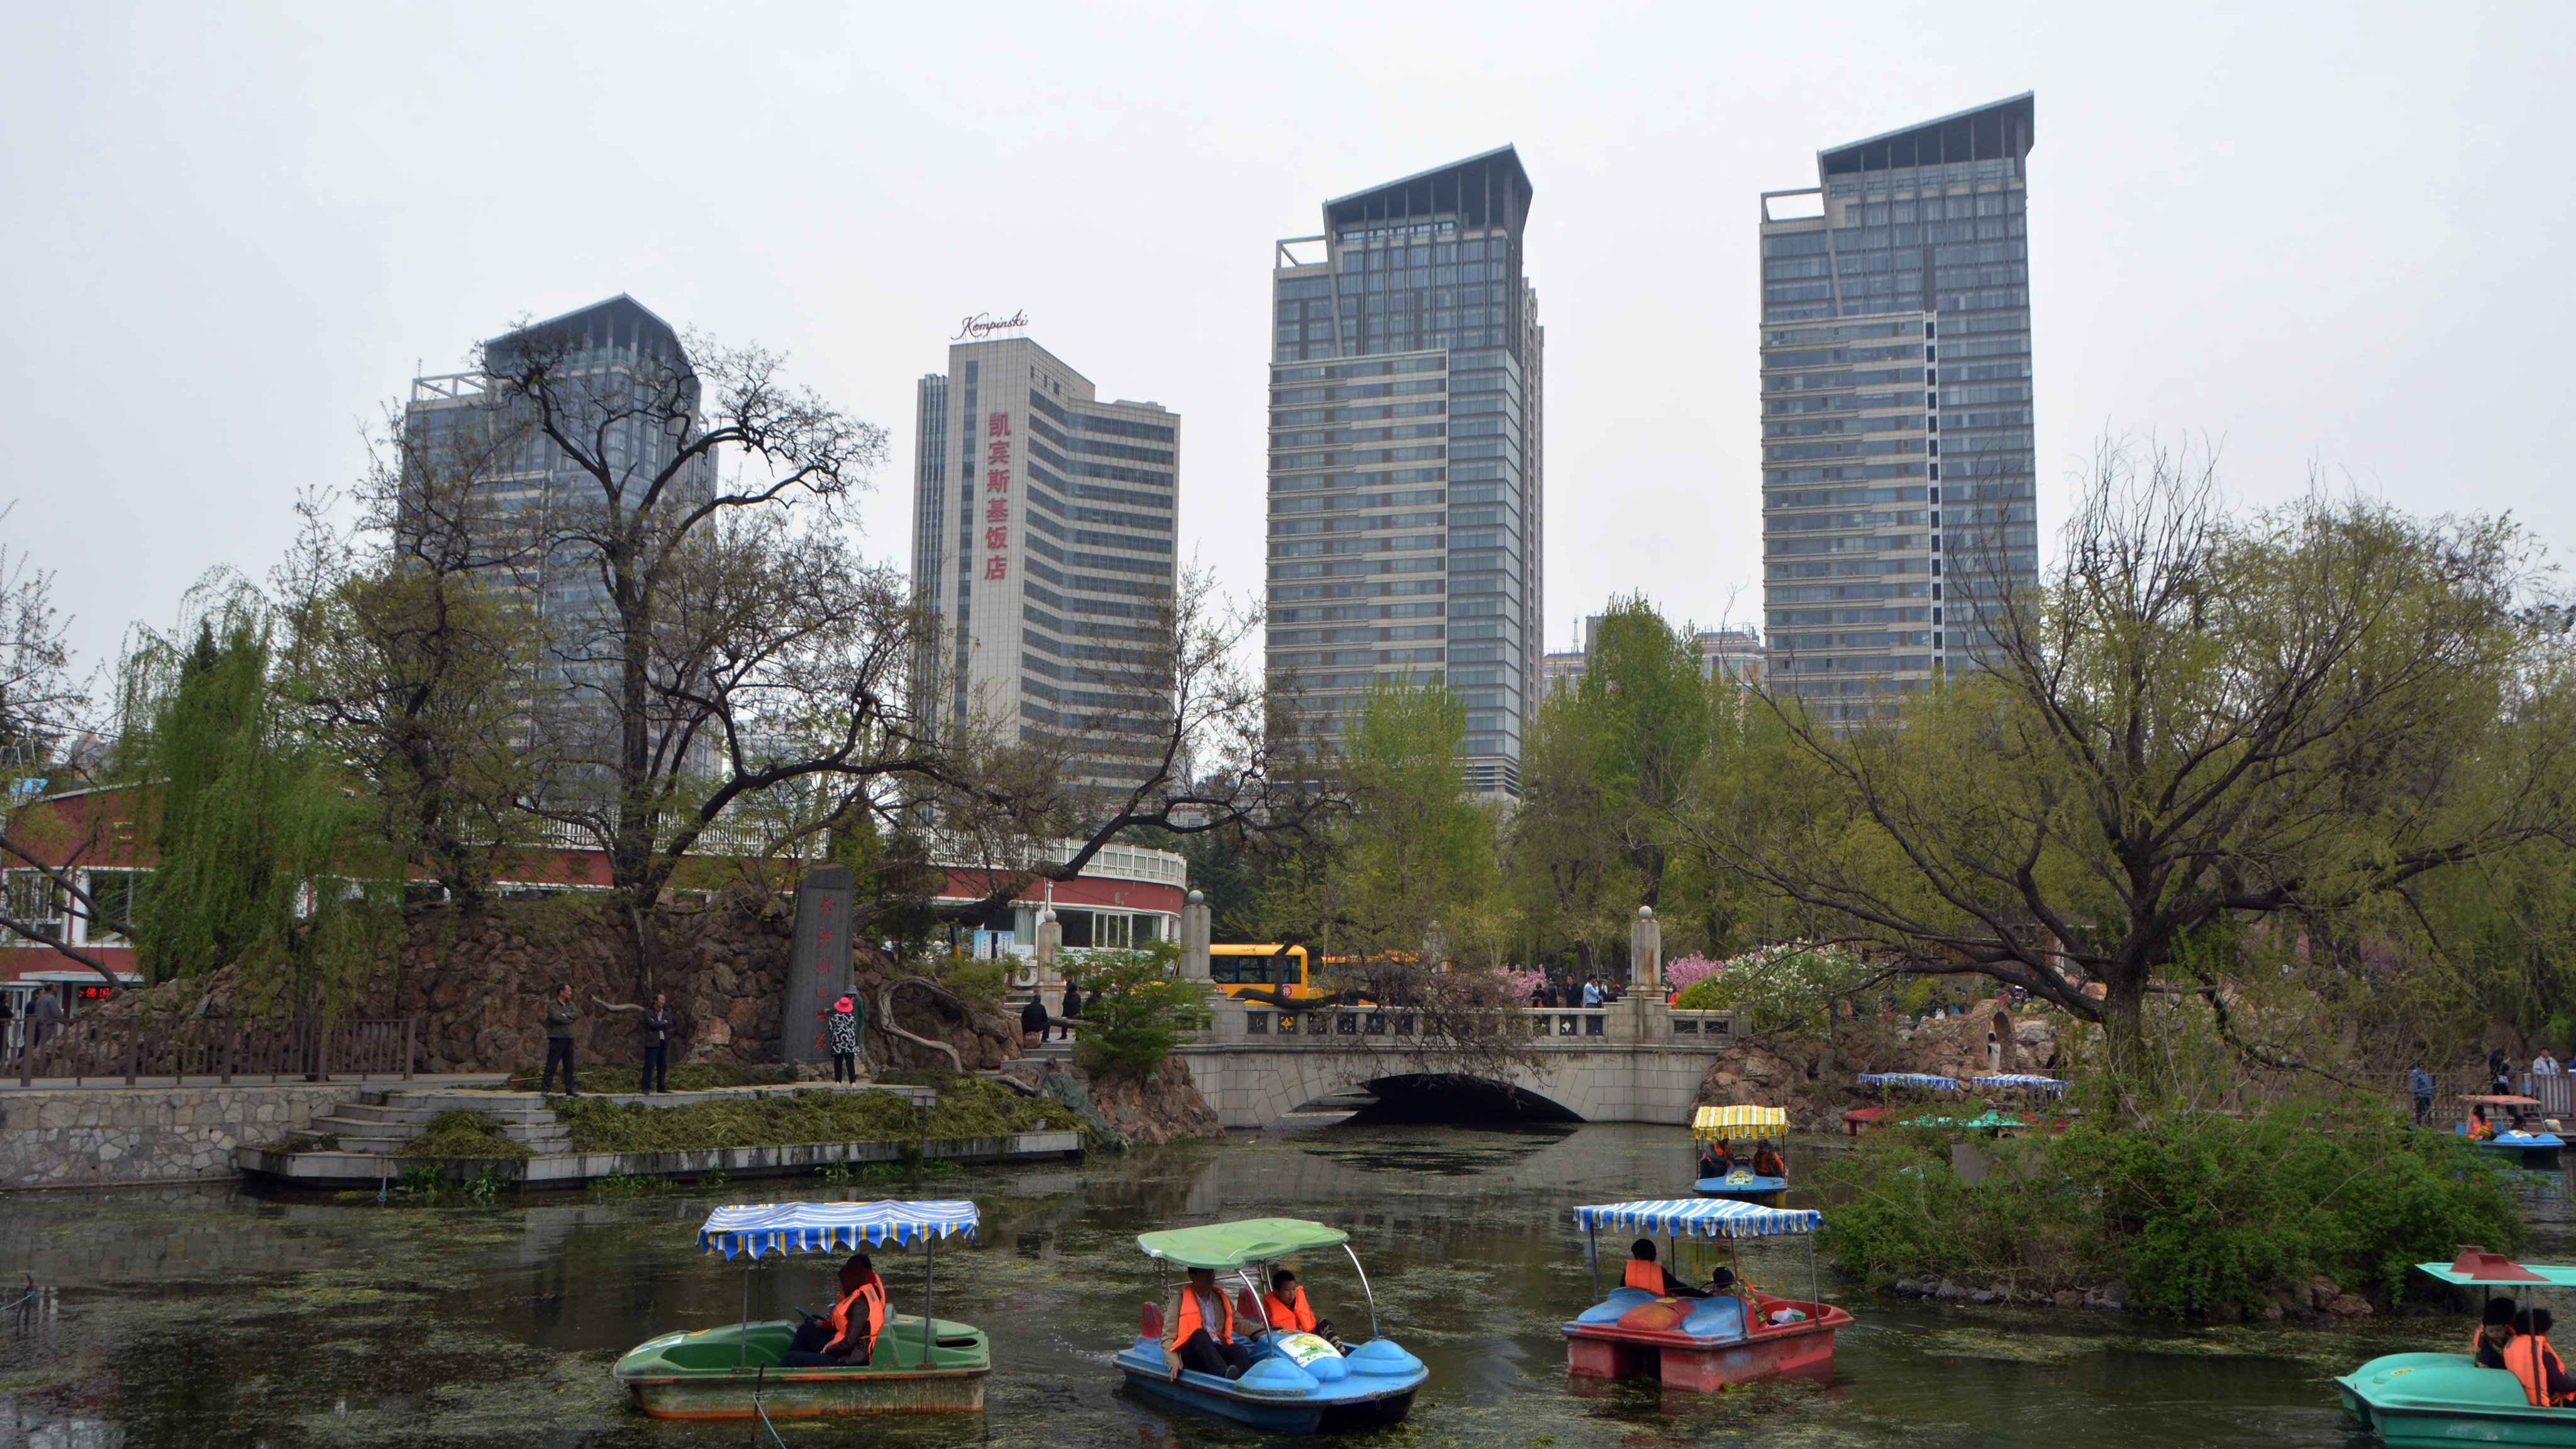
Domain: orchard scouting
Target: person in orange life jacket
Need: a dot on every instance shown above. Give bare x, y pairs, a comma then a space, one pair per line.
1767, 1162
1290, 1312
848, 1334
1644, 1272
1200, 1331
2494, 1331
2480, 1129
2529, 1357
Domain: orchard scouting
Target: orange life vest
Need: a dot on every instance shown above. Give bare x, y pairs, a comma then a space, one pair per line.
1189, 1319
872, 1292
1642, 1274
1767, 1163
1290, 1315
2528, 1357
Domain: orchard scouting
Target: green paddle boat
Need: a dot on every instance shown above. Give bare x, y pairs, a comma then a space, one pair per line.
2423, 1400
920, 1364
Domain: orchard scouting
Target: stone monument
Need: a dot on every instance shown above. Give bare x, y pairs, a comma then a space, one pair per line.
818, 964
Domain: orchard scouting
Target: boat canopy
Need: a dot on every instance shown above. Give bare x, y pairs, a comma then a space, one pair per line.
1232, 1245
2505, 1101
822, 1227
1729, 1123
2047, 1084
1908, 1079
2478, 1266
1697, 1217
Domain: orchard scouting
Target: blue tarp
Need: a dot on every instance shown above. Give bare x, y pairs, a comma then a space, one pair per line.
1703, 1217
823, 1227
2052, 1084
1908, 1079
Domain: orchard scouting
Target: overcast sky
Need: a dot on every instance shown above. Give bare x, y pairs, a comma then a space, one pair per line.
230, 235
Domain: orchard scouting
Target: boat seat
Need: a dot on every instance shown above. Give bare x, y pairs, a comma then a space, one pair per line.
1619, 1302
1152, 1326
1718, 1317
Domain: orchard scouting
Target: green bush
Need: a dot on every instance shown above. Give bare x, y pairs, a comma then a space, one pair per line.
1700, 995
1783, 987
623, 1077
974, 1107
2195, 1212
1135, 1010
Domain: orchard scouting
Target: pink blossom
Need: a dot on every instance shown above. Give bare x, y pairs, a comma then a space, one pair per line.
1690, 970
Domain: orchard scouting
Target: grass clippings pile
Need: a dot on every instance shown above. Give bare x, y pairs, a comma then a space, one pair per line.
970, 1107
465, 1134
624, 1077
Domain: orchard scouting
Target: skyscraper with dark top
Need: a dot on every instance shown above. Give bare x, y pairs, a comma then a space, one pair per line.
1899, 499
1406, 454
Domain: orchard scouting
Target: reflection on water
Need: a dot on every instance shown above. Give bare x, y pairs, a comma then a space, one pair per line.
213, 1317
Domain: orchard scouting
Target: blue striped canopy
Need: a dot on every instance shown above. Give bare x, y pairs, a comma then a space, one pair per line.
823, 1227
1706, 1217
2011, 1080
1908, 1079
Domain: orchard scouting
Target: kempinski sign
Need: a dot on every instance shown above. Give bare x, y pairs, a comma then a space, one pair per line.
985, 324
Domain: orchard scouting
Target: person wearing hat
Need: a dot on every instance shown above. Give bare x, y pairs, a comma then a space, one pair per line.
842, 1025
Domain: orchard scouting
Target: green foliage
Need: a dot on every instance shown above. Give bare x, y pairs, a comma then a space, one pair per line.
974, 1107
712, 1177
464, 1134
1135, 1010
685, 1077
833, 1172
261, 856
2194, 1212
1700, 995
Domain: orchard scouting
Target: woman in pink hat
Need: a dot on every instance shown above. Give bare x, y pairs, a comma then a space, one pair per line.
843, 1025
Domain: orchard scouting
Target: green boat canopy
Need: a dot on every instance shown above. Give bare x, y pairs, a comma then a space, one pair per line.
1232, 1245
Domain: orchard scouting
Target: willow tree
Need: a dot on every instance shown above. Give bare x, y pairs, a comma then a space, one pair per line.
2203, 722
262, 856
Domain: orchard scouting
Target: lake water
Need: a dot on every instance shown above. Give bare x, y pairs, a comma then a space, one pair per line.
225, 1317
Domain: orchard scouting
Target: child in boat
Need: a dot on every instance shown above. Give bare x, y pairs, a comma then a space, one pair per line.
1289, 1312
849, 1334
2495, 1330
2545, 1380
1644, 1272
2480, 1129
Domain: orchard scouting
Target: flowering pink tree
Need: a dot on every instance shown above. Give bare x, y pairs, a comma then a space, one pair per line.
1520, 984
1690, 970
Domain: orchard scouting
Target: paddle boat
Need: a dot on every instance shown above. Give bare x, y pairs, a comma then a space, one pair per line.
1862, 1119
2423, 1400
2535, 1150
1730, 1124
1700, 1343
1298, 1383
921, 1364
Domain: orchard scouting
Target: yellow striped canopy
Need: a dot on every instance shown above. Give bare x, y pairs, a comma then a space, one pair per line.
1733, 1123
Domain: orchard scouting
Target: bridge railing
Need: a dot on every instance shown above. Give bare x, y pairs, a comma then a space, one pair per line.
1320, 1024
1326, 1022
1711, 1026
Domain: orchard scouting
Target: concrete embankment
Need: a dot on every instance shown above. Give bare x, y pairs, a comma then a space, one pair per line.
121, 1136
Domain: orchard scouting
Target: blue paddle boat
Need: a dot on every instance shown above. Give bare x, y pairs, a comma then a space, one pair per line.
1733, 1124
1298, 1383
2537, 1151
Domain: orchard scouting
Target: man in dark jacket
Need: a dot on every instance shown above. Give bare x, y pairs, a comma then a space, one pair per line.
657, 1046
1072, 1006
561, 1017
1033, 1018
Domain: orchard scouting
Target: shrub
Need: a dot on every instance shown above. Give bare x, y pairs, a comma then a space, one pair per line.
2193, 1212
464, 1135
971, 1107
1135, 1010
1782, 987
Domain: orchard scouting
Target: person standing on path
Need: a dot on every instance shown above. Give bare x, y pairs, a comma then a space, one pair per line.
657, 1047
561, 1017
1072, 1006
2420, 1082
841, 1024
1591, 991
44, 1019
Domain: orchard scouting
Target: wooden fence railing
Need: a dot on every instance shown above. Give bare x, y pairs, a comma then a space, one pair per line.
223, 1048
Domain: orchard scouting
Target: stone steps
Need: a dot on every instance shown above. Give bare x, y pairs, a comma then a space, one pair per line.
382, 1123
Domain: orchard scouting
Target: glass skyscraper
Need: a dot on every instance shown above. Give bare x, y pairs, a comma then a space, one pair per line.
1406, 477
1899, 498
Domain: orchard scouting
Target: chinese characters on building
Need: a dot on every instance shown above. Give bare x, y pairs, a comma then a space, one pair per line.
997, 505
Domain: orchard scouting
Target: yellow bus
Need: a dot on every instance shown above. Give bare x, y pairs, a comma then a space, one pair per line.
1274, 971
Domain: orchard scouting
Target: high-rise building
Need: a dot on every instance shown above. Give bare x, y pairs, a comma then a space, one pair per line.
1898, 489
1406, 447
1044, 524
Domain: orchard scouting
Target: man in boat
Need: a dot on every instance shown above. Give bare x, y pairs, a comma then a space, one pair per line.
848, 1334
1289, 1312
2545, 1380
1767, 1162
2495, 1330
1714, 1161
1644, 1272
1201, 1331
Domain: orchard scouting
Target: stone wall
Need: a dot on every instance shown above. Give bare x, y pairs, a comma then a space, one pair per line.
1817, 1080
112, 1136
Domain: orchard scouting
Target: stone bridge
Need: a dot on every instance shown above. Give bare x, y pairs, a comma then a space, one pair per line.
1632, 1061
